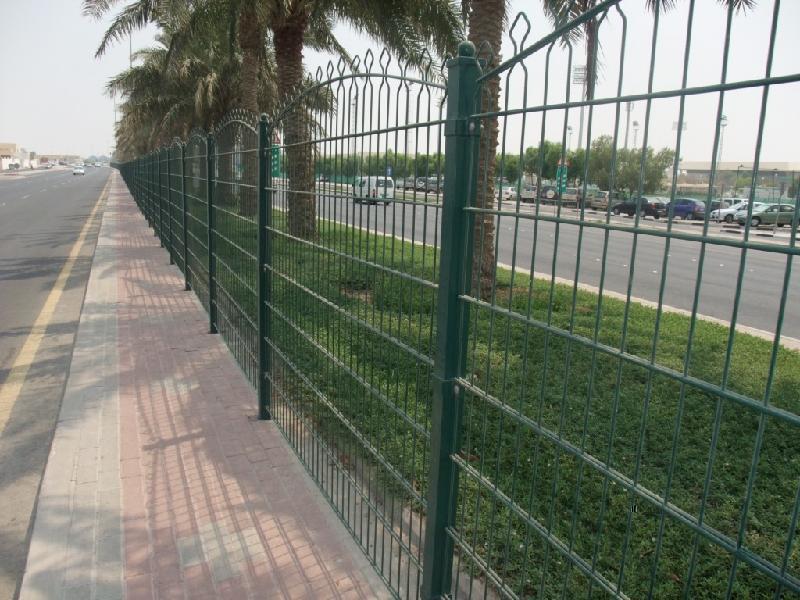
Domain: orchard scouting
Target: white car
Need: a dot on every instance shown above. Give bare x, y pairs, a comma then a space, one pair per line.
509, 193
729, 214
78, 170
373, 190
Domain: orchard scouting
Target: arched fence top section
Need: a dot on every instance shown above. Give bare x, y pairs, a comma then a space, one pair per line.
196, 143
237, 116
197, 132
422, 71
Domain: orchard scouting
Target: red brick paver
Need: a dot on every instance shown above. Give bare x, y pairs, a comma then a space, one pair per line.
211, 503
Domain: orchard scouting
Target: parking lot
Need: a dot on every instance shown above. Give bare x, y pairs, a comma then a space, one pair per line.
721, 229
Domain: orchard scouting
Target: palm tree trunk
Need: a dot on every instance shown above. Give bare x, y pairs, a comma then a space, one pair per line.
288, 41
486, 25
591, 57
251, 41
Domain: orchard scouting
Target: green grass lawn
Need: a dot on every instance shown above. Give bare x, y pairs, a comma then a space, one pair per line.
353, 315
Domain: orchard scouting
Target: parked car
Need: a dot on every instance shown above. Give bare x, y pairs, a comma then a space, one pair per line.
570, 197
600, 200
646, 207
508, 192
78, 170
768, 214
729, 214
687, 208
434, 185
373, 190
409, 183
548, 194
528, 193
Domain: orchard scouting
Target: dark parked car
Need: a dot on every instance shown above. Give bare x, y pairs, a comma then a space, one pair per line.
409, 183
548, 194
646, 207
688, 208
434, 184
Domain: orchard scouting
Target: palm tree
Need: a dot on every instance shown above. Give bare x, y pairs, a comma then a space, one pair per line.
405, 27
175, 86
562, 11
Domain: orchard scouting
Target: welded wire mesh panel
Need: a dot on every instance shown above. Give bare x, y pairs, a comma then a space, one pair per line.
176, 202
235, 240
196, 187
632, 389
356, 189
147, 187
164, 229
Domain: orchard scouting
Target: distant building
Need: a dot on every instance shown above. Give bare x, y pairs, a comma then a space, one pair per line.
68, 159
12, 154
774, 180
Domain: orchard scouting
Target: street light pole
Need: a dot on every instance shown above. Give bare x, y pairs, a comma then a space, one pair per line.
579, 76
569, 136
736, 183
628, 109
635, 133
774, 186
723, 122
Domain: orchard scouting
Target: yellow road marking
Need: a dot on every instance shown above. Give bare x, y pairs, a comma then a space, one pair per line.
9, 392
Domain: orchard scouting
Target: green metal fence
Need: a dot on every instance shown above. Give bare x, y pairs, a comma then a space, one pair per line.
502, 399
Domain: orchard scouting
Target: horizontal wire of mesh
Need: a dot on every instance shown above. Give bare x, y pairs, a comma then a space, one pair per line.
356, 186
617, 440
235, 241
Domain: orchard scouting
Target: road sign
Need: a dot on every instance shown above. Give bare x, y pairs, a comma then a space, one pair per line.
275, 161
561, 178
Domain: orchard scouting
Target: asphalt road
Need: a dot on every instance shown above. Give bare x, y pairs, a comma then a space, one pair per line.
41, 217
536, 243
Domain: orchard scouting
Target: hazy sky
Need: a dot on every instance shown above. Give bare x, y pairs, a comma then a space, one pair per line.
52, 88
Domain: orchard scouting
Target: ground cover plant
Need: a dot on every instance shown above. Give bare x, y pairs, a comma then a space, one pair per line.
614, 462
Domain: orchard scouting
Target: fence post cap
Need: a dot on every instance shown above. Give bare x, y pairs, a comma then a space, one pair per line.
466, 48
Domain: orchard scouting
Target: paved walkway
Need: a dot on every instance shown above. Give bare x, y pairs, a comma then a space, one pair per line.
160, 483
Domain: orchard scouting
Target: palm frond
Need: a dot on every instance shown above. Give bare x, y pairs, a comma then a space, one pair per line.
319, 36
97, 8
134, 16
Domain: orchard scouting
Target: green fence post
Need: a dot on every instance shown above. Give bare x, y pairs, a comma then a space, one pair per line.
170, 241
264, 272
461, 135
212, 271
186, 285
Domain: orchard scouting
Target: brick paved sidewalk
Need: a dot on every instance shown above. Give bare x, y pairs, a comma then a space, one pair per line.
160, 484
